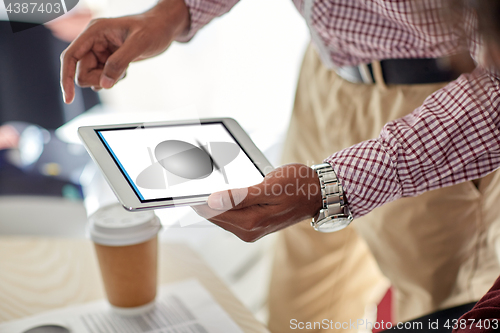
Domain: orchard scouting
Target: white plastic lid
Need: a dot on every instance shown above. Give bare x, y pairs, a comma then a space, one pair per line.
113, 225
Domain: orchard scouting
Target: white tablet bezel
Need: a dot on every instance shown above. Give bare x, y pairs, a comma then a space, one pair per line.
120, 185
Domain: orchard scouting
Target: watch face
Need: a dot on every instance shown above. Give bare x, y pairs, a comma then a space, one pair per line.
334, 225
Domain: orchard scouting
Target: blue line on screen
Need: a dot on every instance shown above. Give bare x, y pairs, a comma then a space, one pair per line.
121, 166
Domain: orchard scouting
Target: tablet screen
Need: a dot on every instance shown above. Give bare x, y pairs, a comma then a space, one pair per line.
179, 161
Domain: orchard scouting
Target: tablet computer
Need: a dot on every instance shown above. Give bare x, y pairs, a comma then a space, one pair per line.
178, 163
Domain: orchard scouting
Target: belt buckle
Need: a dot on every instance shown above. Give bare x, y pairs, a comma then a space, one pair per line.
355, 74
365, 73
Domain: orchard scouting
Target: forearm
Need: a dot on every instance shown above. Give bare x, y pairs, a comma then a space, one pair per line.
453, 137
175, 12
201, 12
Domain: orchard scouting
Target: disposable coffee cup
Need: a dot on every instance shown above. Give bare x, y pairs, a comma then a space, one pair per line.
126, 245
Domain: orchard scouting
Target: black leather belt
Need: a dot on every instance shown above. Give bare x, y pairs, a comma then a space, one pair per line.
402, 71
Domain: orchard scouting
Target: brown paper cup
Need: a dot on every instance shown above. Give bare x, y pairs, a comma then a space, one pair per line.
127, 250
129, 272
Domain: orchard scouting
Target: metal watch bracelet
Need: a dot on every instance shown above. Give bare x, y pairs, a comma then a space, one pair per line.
335, 214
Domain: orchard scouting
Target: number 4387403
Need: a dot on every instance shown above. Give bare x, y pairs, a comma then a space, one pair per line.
472, 323
33, 8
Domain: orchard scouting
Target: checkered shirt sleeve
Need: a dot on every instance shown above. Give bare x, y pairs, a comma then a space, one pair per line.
453, 137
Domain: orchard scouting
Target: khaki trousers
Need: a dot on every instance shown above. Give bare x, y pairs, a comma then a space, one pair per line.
437, 249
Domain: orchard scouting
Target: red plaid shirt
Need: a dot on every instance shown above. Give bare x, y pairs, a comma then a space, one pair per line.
453, 137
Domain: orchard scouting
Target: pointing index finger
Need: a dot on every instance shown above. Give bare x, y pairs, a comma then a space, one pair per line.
69, 59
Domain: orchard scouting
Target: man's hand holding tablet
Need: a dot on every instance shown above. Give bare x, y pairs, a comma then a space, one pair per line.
287, 195
168, 164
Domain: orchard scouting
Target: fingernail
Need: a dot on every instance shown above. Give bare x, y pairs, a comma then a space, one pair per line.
107, 82
215, 201
66, 99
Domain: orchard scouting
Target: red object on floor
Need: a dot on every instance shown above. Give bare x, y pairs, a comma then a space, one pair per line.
384, 311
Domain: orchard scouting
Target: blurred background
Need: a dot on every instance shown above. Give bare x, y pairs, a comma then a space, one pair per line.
243, 65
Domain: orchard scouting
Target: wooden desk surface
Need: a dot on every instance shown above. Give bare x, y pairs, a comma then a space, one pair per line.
41, 274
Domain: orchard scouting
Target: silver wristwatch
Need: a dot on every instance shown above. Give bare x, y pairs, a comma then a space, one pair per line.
335, 214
